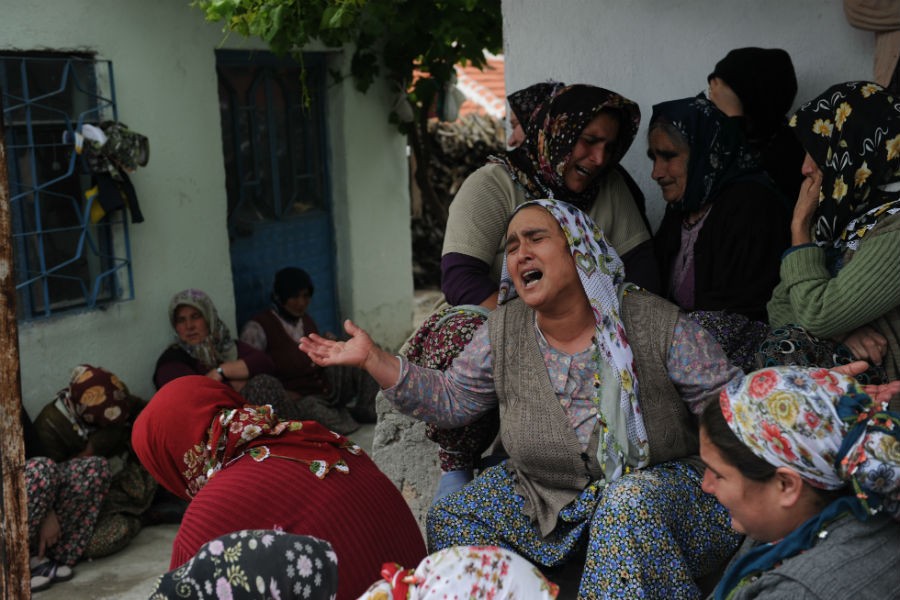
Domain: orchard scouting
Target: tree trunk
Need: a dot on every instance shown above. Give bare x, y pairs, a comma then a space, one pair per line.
15, 582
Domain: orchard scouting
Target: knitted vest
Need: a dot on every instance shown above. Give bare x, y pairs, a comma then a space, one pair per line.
545, 454
293, 367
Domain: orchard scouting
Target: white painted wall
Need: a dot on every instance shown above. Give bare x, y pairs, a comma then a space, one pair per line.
657, 50
164, 63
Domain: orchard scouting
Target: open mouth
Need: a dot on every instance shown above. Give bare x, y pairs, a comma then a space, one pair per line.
583, 172
529, 278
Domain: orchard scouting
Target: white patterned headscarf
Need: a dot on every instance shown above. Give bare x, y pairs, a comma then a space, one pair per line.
822, 425
464, 572
602, 275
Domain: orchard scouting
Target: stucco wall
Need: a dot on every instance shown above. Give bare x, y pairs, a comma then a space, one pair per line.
164, 62
657, 50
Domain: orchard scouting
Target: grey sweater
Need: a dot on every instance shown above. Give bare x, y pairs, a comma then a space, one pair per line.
855, 560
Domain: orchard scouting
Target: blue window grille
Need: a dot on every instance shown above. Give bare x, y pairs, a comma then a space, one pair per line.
63, 261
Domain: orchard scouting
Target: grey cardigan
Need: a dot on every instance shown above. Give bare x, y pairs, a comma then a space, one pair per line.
855, 560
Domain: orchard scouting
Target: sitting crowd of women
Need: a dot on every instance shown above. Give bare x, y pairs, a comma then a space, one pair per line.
587, 350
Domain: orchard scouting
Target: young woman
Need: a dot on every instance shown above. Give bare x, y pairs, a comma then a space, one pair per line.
808, 465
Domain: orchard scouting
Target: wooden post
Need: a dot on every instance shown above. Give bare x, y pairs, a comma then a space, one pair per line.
15, 582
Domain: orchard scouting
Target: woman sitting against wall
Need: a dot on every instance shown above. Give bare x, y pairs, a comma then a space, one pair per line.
725, 226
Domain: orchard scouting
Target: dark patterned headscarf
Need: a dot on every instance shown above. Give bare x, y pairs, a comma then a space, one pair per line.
718, 150
255, 564
852, 131
526, 102
539, 164
93, 399
218, 347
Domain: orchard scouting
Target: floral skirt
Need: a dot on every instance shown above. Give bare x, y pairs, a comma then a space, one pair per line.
74, 489
437, 342
649, 534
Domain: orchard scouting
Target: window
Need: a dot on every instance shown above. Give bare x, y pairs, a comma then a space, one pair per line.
62, 260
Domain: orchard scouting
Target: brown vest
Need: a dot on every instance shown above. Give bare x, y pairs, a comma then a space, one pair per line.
544, 451
293, 368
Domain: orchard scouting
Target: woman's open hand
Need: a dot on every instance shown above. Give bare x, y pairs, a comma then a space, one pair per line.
327, 352
359, 351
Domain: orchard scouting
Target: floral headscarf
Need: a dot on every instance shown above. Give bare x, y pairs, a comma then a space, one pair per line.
219, 346
94, 398
539, 164
525, 102
602, 274
252, 564
194, 427
820, 424
464, 572
852, 131
719, 153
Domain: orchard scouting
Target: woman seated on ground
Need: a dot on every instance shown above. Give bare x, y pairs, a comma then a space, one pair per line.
809, 465
313, 393
725, 227
756, 87
93, 416
243, 468
64, 502
839, 295
596, 382
574, 141
252, 564
204, 346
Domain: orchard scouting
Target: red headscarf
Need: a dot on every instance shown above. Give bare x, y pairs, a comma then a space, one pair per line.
194, 427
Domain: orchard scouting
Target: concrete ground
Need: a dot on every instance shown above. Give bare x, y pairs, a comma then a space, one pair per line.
132, 573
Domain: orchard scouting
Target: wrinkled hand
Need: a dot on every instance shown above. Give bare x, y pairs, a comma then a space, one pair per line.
49, 532
866, 344
805, 209
353, 352
884, 392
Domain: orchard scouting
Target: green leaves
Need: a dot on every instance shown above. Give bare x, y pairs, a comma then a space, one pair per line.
397, 36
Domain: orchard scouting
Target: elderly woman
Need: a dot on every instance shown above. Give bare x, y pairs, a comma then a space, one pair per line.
597, 385
204, 346
839, 295
808, 465
243, 468
725, 227
92, 417
311, 392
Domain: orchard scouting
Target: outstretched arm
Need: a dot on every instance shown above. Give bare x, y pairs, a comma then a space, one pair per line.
359, 351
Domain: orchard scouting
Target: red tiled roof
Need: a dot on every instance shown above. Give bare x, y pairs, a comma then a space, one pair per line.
485, 90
